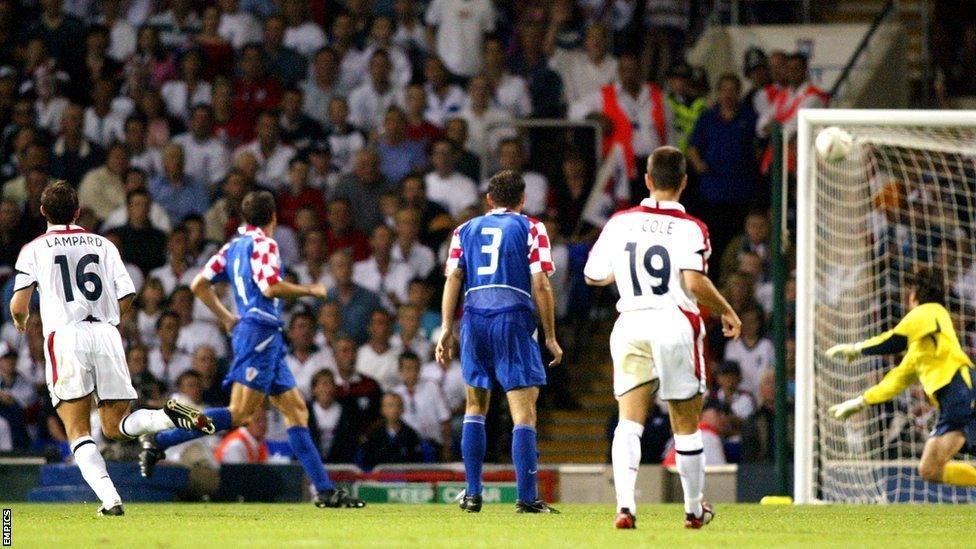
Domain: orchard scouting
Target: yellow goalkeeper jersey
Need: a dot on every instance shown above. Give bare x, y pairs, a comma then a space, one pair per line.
933, 354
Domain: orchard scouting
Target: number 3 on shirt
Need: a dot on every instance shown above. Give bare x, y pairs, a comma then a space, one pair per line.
491, 249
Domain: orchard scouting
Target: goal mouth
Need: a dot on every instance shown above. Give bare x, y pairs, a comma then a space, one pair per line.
904, 196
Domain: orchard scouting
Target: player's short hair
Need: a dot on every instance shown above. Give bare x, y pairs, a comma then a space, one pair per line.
258, 207
60, 201
928, 284
506, 188
667, 167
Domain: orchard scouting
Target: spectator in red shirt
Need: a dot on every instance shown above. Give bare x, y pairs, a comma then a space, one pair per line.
342, 235
254, 91
298, 193
229, 127
419, 128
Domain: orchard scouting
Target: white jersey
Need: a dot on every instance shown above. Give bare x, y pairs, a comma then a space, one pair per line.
646, 248
79, 275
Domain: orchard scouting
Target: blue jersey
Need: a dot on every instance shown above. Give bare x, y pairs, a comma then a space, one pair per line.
251, 263
499, 252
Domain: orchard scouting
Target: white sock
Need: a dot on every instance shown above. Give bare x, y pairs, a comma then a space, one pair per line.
690, 460
93, 469
142, 422
626, 455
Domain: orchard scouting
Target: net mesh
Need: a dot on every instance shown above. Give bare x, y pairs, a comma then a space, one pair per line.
904, 196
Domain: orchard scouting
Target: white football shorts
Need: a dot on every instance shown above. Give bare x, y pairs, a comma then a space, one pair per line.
663, 345
87, 357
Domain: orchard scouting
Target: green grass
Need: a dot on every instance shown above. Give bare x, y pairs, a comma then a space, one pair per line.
233, 526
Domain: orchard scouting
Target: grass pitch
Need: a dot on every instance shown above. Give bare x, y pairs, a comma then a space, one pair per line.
232, 526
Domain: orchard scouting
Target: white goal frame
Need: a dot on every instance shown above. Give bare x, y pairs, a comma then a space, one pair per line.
803, 454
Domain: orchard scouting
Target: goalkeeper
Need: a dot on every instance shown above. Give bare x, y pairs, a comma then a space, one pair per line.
934, 358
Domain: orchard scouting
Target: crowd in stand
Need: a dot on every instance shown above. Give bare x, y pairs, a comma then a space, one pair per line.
370, 122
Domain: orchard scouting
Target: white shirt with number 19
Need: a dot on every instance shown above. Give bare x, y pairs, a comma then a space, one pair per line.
78, 274
646, 248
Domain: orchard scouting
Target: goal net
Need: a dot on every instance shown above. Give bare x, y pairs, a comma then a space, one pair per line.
904, 196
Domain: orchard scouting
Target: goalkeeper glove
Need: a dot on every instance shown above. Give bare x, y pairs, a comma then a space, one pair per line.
847, 408
848, 351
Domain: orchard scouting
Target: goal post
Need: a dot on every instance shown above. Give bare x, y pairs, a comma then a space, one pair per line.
905, 195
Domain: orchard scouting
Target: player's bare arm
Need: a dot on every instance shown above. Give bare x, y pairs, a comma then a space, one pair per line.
546, 304
203, 289
20, 307
125, 303
610, 279
449, 303
701, 286
287, 290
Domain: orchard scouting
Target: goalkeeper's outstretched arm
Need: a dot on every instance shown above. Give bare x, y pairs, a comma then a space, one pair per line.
894, 381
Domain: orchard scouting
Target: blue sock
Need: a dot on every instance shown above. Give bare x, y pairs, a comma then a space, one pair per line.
525, 458
172, 437
301, 444
473, 451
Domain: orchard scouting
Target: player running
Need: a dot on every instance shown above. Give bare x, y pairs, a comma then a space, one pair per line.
658, 256
84, 289
251, 264
503, 261
934, 358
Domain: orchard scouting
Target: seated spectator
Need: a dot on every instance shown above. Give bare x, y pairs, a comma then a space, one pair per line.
272, 154
467, 162
728, 378
224, 215
511, 156
398, 155
322, 175
177, 271
211, 378
510, 91
298, 193
238, 26
355, 391
151, 391
567, 198
321, 85
10, 239
381, 38
102, 189
758, 441
198, 247
444, 100
435, 223
755, 239
140, 154
419, 129
584, 71
207, 158
167, 361
16, 394
363, 189
160, 128
135, 179
283, 63
380, 273
302, 35
31, 362
188, 389
377, 358
369, 102
245, 444
345, 140
254, 91
73, 154
304, 358
32, 223
142, 244
329, 327
297, 129
217, 51
753, 351
408, 248
335, 428
174, 190
355, 302
483, 118
28, 155
190, 90
315, 267
176, 25
420, 294
445, 185
103, 125
393, 441
424, 407
408, 335
195, 333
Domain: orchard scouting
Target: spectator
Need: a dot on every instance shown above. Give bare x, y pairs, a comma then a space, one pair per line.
135, 179
16, 394
455, 29
584, 72
377, 358
755, 67
341, 235
195, 333
245, 444
297, 129
665, 24
322, 174
419, 128
398, 155
180, 96
314, 269
176, 25
445, 186
254, 91
177, 271
151, 391
380, 273
301, 34
512, 157
207, 158
298, 194
205, 364
483, 118
32, 222
444, 100
122, 35
304, 358
435, 222
510, 91
393, 441
381, 38
529, 61
167, 361
356, 392
329, 326
142, 244
758, 434
728, 378
74, 155
346, 44
356, 303
152, 64
797, 93
272, 154
334, 427
407, 248
753, 352
369, 102
159, 126
345, 141
103, 125
140, 155
722, 151
11, 240
469, 164
284, 63
218, 53
755, 240
102, 189
409, 336
31, 156
363, 189
238, 26
686, 88
223, 217
321, 85
60, 33
424, 407
176, 191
